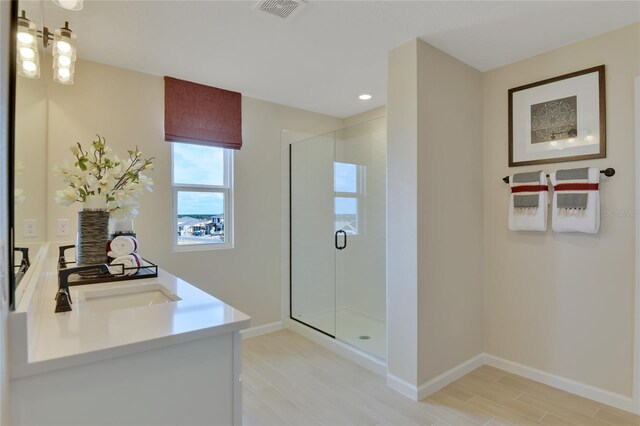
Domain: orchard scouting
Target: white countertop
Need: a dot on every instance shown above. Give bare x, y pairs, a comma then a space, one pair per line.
83, 335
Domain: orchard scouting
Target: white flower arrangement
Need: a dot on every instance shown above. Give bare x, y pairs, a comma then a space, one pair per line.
97, 172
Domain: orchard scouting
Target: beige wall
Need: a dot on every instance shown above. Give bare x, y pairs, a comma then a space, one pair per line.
127, 108
402, 214
31, 156
434, 212
365, 116
449, 211
563, 303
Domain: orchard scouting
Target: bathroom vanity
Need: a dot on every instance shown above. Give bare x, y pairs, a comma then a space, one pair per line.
154, 351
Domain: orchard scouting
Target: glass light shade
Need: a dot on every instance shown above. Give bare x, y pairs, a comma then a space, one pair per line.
29, 68
25, 37
64, 43
27, 59
63, 74
64, 61
63, 46
27, 34
27, 53
64, 53
69, 4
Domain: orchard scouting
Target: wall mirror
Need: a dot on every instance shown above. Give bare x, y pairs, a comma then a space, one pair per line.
28, 219
29, 159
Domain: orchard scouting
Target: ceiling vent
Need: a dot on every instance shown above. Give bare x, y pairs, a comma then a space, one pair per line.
282, 8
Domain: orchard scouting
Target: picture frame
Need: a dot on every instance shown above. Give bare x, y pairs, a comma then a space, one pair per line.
558, 119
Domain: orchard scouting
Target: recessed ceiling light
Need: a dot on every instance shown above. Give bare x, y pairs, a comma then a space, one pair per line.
69, 4
364, 97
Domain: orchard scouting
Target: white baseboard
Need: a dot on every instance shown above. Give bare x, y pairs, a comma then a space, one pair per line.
261, 329
587, 391
450, 376
402, 386
419, 392
361, 358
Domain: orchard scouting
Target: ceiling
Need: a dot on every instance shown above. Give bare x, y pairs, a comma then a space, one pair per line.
329, 53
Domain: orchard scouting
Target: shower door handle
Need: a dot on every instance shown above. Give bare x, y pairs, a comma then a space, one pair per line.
345, 240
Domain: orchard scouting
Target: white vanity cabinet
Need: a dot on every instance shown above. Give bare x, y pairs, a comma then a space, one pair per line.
174, 363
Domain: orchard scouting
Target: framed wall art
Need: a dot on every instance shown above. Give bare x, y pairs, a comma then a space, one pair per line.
558, 119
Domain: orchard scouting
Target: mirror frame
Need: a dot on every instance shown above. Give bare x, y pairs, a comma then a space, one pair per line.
13, 27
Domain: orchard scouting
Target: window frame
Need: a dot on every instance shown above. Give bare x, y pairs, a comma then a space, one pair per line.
226, 189
358, 195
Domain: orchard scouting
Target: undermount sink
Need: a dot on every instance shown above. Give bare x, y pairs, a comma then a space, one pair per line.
124, 297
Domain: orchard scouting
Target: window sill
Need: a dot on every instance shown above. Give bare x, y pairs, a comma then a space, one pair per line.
201, 247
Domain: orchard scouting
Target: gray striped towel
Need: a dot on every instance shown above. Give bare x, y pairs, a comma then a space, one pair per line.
526, 202
572, 200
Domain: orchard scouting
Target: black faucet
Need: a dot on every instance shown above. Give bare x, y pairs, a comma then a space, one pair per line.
63, 298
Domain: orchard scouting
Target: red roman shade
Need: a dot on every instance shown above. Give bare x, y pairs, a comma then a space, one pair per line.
201, 114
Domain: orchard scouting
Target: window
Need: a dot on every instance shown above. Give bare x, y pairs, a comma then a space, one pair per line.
202, 196
348, 188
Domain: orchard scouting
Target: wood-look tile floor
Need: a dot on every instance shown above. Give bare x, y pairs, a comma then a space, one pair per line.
289, 380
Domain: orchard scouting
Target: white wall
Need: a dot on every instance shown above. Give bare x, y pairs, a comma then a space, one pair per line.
564, 303
127, 108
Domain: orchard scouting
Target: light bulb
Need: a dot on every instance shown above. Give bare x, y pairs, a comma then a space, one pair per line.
364, 97
64, 61
24, 37
63, 46
27, 52
29, 66
64, 73
69, 4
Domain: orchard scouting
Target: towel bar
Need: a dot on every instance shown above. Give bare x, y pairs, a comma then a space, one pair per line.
609, 171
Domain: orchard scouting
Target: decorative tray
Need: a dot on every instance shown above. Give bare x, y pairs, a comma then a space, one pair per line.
146, 270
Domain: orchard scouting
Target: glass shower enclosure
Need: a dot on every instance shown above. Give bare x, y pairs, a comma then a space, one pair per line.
338, 234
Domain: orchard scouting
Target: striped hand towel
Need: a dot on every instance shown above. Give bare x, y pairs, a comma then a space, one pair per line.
528, 202
576, 200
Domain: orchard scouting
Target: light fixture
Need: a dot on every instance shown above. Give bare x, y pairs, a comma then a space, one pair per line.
64, 55
64, 49
364, 97
27, 58
69, 4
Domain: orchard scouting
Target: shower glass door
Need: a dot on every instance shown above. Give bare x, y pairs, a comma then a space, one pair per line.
338, 234
360, 220
313, 291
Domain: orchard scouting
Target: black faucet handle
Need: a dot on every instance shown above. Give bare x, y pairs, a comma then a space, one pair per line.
63, 298
62, 261
63, 301
25, 256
